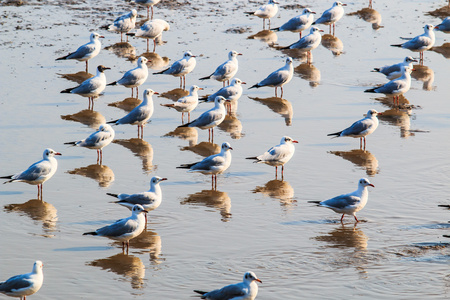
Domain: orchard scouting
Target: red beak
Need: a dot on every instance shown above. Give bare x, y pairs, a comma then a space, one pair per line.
371, 185
295, 142
57, 153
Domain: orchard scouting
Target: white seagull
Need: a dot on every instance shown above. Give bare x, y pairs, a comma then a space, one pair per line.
361, 128
87, 51
97, 140
298, 23
91, 87
444, 26
210, 118
278, 78
148, 3
332, 15
39, 172
349, 203
151, 30
24, 285
395, 71
181, 68
395, 87
149, 200
308, 42
187, 103
227, 70
231, 92
134, 77
140, 114
125, 229
266, 11
421, 42
245, 290
214, 164
124, 23
278, 155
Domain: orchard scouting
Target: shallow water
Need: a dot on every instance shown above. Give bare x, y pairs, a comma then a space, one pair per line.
203, 239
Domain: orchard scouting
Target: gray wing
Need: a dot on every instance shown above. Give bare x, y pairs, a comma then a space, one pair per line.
82, 51
141, 198
136, 115
386, 70
226, 293
207, 118
293, 23
358, 127
225, 92
209, 162
273, 154
390, 87
303, 42
176, 68
341, 201
327, 16
418, 42
15, 283
275, 78
87, 86
36, 170
95, 138
130, 77
118, 228
224, 69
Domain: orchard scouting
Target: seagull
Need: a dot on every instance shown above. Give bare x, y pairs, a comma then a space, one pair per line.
245, 290
278, 78
187, 103
395, 87
140, 114
91, 87
148, 3
395, 71
151, 30
210, 118
181, 67
444, 26
124, 23
308, 42
266, 11
99, 139
24, 285
227, 70
125, 229
361, 128
39, 172
231, 92
87, 51
349, 203
149, 200
278, 155
332, 15
421, 42
298, 23
214, 164
134, 77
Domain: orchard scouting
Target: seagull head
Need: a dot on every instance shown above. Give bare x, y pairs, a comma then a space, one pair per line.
339, 3
363, 182
288, 140
188, 54
150, 92
226, 146
137, 209
142, 61
373, 113
220, 100
249, 277
156, 180
102, 68
96, 36
233, 53
307, 11
195, 88
315, 29
50, 153
133, 13
37, 267
409, 59
105, 128
237, 81
428, 27
289, 60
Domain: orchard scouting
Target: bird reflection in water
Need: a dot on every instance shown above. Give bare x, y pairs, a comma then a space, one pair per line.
122, 50
37, 210
360, 158
191, 135
278, 189
87, 117
155, 61
232, 125
345, 237
266, 36
369, 15
126, 104
444, 49
403, 103
333, 43
141, 149
214, 199
424, 74
280, 106
78, 77
402, 119
297, 54
308, 72
175, 94
128, 266
147, 242
100, 173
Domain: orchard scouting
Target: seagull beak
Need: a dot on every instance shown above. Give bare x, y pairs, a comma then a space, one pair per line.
162, 179
259, 280
371, 185
239, 54
57, 153
230, 148
201, 89
101, 37
343, 4
313, 12
145, 211
156, 93
295, 142
243, 82
106, 68
380, 114
436, 27
193, 56
320, 30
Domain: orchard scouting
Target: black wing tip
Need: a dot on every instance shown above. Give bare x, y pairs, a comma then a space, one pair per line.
205, 78
111, 122
335, 134
253, 157
200, 292
370, 91
112, 83
130, 34
397, 45
66, 91
113, 195
70, 143
90, 233
376, 70
315, 202
255, 86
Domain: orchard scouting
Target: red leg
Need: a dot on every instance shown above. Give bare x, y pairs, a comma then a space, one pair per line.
356, 218
154, 45
342, 217
276, 172
281, 91
152, 12
86, 66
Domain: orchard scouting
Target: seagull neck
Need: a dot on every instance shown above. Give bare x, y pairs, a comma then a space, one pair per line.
156, 188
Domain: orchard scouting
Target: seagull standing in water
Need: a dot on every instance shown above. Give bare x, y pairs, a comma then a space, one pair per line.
98, 140
214, 164
395, 71
39, 172
151, 30
125, 229
87, 51
245, 290
187, 103
278, 155
298, 23
181, 68
349, 203
360, 129
231, 93
332, 15
278, 78
124, 23
24, 285
148, 3
421, 42
308, 42
227, 70
91, 87
134, 77
266, 11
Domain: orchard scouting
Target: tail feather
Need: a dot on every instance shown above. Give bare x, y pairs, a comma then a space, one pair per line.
106, 27
316, 202
255, 86
7, 177
130, 34
111, 122
206, 77
67, 90
70, 143
370, 91
185, 125
376, 70
253, 157
161, 72
90, 233
335, 134
200, 292
397, 45
63, 57
186, 166
112, 83
276, 29
251, 13
114, 195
